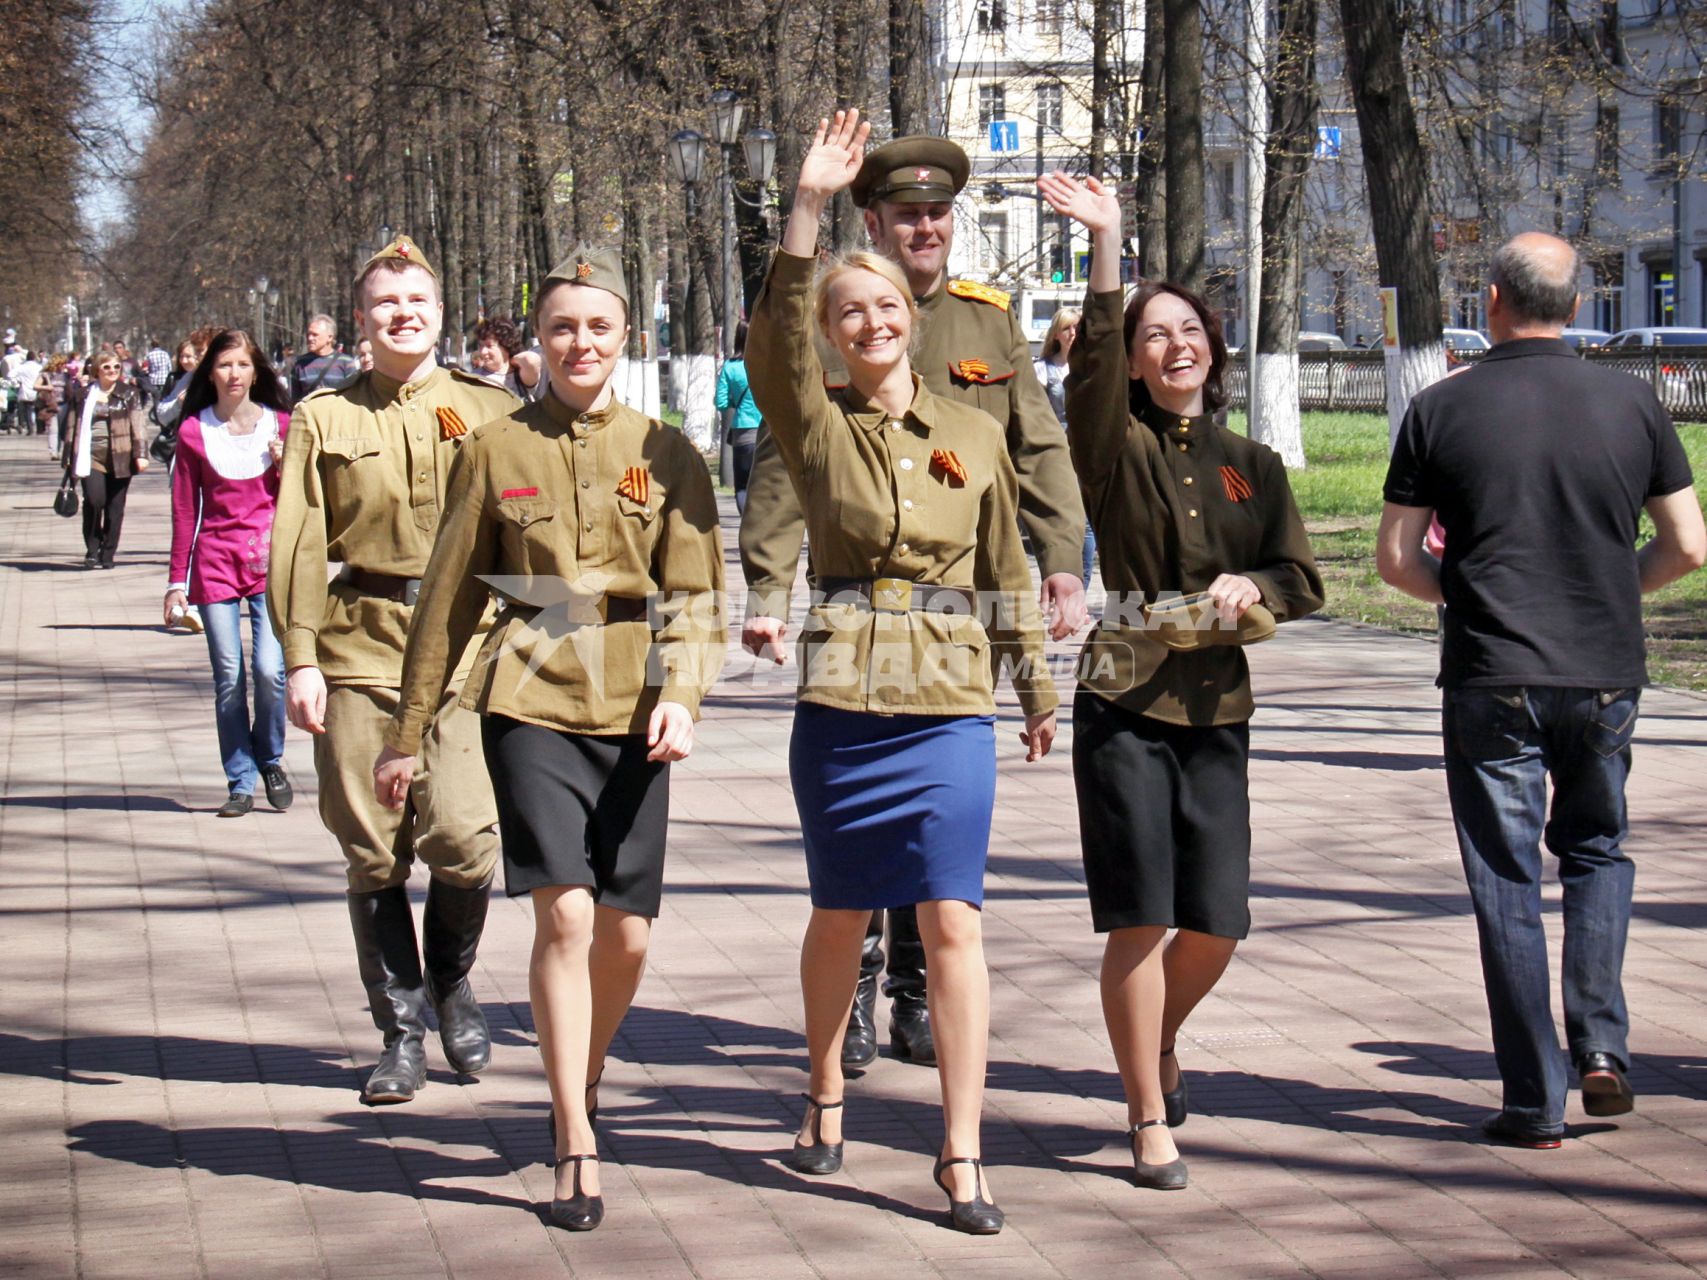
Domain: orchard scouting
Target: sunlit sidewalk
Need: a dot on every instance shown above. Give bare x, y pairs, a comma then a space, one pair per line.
182, 1032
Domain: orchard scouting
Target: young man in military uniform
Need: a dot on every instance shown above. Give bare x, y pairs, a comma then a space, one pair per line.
971, 349
363, 484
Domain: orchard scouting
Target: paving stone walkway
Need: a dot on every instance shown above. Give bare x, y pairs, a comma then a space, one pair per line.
182, 1031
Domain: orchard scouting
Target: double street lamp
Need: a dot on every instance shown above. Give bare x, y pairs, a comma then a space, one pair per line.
262, 296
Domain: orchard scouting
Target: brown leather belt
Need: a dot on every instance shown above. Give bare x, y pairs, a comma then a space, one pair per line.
387, 586
614, 608
895, 595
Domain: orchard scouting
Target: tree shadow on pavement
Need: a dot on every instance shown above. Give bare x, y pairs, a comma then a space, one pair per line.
102, 1060
116, 800
357, 1156
1651, 1074
1388, 761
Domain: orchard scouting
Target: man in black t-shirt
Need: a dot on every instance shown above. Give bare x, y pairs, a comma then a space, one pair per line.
1540, 466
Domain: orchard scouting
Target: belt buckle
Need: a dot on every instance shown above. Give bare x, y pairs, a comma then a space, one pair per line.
891, 595
409, 592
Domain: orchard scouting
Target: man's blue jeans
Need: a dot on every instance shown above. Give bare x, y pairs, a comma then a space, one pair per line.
1502, 745
245, 747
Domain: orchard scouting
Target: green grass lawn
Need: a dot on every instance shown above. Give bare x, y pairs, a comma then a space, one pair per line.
1339, 495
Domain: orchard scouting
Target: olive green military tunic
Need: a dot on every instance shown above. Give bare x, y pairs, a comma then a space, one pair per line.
363, 485
599, 531
1175, 502
970, 350
927, 497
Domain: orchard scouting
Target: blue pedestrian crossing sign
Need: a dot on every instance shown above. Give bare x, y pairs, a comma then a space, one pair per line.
1327, 142
1004, 136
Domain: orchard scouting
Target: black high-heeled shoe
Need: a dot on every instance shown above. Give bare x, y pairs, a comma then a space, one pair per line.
977, 1216
580, 1212
816, 1157
1174, 1101
592, 1111
1155, 1177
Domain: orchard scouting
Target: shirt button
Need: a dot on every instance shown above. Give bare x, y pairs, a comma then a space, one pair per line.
589, 526
902, 549
894, 426
1187, 480
586, 484
1182, 446
581, 444
423, 477
906, 464
1185, 424
907, 504
1192, 513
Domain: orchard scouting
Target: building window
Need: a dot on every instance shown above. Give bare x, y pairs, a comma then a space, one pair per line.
1606, 143
992, 104
1057, 265
1668, 137
1662, 292
992, 16
993, 242
1609, 297
1225, 190
1049, 14
1049, 106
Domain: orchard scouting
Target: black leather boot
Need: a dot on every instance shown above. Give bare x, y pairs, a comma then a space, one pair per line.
391, 971
859, 1046
451, 931
909, 1023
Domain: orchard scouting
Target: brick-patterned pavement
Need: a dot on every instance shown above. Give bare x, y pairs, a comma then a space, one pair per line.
181, 1028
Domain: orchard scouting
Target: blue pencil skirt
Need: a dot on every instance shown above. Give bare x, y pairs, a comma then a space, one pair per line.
894, 809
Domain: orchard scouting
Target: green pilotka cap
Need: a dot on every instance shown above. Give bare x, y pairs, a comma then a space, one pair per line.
595, 268
401, 250
913, 170
1192, 622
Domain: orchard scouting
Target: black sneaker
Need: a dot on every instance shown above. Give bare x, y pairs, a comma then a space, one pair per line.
279, 794
236, 805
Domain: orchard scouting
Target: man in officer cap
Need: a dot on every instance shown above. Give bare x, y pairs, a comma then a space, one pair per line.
970, 348
363, 484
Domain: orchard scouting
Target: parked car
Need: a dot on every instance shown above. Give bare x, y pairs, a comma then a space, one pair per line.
1670, 335
1465, 340
1311, 341
1580, 338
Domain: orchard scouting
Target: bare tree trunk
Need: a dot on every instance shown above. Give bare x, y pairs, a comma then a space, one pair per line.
1396, 171
1149, 191
1104, 20
847, 226
1182, 25
1293, 98
909, 68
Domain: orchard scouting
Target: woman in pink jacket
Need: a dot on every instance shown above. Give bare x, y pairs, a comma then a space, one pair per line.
225, 484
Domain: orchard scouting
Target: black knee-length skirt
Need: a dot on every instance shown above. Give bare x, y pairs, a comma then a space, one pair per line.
576, 808
1164, 820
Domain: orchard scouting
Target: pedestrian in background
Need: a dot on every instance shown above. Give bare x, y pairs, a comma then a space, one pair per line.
225, 486
500, 357
1051, 369
52, 388
322, 366
741, 420
107, 445
1540, 466
1161, 718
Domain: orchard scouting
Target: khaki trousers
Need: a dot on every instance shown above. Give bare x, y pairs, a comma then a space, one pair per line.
451, 820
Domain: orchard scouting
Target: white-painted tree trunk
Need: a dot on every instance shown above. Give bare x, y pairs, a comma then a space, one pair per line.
1275, 420
637, 386
1410, 370
693, 390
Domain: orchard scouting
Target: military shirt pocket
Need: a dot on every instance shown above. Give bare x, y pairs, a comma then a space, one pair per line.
642, 513
350, 448
1490, 723
987, 388
527, 525
1613, 722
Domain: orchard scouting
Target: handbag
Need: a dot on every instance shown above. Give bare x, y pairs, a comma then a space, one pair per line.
65, 501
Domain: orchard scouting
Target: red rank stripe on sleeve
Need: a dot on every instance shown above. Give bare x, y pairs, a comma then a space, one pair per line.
1235, 485
945, 461
636, 485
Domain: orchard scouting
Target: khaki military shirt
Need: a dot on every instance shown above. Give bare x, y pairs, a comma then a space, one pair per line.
363, 483
568, 517
972, 350
929, 497
1175, 502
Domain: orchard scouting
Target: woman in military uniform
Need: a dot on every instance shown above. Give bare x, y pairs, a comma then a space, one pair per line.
911, 505
597, 528
1161, 735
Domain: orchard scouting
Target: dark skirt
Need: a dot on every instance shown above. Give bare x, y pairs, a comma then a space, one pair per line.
1164, 820
894, 809
575, 808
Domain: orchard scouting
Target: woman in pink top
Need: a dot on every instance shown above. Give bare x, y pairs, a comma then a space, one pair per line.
225, 483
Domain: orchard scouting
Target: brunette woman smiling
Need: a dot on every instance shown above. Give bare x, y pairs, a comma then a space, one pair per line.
597, 527
106, 445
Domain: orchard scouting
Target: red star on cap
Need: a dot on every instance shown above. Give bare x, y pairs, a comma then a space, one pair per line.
923, 175
402, 251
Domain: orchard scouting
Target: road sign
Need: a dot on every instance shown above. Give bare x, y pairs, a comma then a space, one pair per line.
1327, 142
1004, 136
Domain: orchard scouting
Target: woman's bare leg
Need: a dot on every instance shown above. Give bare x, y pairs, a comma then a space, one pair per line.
1133, 994
1192, 963
561, 991
959, 999
829, 971
615, 966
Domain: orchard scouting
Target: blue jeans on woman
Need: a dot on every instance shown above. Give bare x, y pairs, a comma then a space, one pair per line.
1502, 744
246, 747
